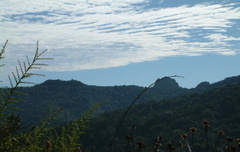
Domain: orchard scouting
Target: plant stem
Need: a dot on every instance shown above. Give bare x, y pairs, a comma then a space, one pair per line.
125, 114
215, 146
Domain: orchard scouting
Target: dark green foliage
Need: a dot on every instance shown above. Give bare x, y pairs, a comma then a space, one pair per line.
76, 97
17, 78
9, 126
171, 118
45, 136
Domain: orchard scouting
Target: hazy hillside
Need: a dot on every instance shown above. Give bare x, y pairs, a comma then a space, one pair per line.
76, 97
171, 118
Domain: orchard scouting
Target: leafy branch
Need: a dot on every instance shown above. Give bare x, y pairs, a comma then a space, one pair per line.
22, 71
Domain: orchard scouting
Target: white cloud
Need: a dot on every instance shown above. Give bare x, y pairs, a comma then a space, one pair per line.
222, 38
110, 33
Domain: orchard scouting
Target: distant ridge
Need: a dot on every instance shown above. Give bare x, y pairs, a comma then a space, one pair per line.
204, 86
76, 97
61, 82
226, 81
163, 84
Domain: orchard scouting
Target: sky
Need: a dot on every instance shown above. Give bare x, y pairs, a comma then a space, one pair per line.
123, 42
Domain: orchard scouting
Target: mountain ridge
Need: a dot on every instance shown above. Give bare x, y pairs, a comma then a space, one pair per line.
162, 83
171, 118
76, 97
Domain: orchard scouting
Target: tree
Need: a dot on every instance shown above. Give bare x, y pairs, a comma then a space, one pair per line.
47, 135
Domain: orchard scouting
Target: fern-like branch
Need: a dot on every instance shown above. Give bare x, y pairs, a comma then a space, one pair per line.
3, 49
22, 71
1, 53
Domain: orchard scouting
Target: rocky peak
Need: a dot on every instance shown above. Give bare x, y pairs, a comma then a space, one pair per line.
167, 83
203, 86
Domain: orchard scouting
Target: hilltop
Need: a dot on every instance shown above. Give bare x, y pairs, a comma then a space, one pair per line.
76, 97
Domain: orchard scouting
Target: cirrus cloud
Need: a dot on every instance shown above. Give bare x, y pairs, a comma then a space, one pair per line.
110, 33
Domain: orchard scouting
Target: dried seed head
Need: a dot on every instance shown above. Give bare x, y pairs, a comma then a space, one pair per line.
220, 132
184, 136
205, 123
180, 144
193, 130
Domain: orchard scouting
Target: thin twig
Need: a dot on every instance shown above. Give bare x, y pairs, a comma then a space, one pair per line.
125, 114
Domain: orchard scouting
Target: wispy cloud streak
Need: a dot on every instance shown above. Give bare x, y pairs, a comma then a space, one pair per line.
109, 33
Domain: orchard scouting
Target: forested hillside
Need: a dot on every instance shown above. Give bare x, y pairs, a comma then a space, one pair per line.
165, 110
170, 119
76, 97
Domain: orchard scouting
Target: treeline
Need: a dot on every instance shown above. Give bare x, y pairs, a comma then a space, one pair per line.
76, 97
170, 119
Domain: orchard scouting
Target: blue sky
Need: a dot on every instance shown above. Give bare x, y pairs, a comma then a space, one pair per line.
131, 42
